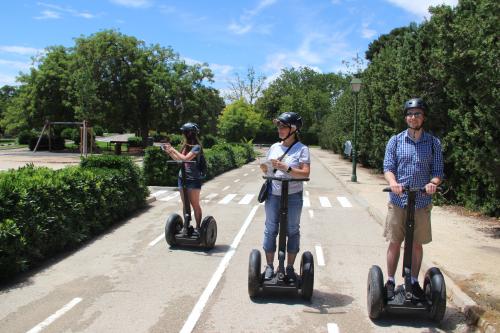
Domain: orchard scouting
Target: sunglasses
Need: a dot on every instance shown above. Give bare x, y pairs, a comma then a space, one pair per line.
414, 114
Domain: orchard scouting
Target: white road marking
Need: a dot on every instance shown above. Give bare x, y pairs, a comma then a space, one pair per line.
307, 193
252, 170
56, 315
246, 174
325, 202
210, 197
333, 328
202, 301
306, 202
156, 240
305, 183
170, 197
227, 199
319, 255
246, 199
158, 193
344, 202
236, 180
225, 188
311, 213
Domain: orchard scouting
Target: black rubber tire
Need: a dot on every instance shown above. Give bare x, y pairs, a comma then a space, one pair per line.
208, 232
375, 292
435, 292
307, 275
172, 227
254, 274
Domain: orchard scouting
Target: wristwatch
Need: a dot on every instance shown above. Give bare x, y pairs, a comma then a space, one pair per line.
289, 169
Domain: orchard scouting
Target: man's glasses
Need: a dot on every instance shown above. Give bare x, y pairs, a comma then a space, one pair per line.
414, 114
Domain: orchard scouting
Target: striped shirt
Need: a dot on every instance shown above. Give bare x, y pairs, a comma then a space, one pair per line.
414, 163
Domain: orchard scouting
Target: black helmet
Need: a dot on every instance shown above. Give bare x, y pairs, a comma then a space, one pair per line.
415, 103
290, 118
190, 127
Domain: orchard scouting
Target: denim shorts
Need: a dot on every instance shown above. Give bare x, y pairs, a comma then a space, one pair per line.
272, 222
190, 183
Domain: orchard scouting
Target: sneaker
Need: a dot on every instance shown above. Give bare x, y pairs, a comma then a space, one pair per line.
290, 274
389, 287
268, 273
417, 291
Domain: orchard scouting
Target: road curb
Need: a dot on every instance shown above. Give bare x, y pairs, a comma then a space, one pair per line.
472, 311
150, 199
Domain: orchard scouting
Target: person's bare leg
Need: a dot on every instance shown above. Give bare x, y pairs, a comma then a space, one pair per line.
194, 199
393, 252
416, 260
291, 258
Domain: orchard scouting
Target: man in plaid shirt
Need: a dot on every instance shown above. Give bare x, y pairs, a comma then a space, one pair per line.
412, 158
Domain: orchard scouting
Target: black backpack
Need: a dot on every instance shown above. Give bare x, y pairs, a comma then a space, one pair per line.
202, 164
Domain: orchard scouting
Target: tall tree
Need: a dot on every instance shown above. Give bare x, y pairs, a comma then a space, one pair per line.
249, 88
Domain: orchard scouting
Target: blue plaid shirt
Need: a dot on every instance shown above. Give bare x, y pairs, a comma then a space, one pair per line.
414, 164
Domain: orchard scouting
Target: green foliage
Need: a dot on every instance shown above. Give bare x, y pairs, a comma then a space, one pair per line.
98, 130
207, 141
238, 121
220, 158
44, 211
24, 137
134, 141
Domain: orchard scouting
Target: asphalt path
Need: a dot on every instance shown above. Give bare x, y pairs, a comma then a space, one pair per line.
129, 280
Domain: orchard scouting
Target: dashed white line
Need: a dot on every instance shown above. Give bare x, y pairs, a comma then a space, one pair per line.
156, 240
225, 188
158, 193
307, 193
202, 301
344, 202
236, 180
246, 199
227, 199
319, 255
246, 174
333, 328
170, 197
210, 197
311, 213
325, 202
56, 315
252, 170
306, 202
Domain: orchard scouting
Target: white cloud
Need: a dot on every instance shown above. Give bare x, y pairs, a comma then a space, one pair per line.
19, 65
22, 50
421, 7
133, 3
6, 79
56, 12
48, 14
245, 23
367, 32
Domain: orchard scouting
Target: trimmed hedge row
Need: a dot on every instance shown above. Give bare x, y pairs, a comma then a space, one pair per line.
44, 211
220, 158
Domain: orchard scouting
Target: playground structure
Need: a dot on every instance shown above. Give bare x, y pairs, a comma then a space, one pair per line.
84, 129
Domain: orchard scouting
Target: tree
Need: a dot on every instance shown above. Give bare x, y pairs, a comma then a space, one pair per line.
239, 121
249, 88
7, 94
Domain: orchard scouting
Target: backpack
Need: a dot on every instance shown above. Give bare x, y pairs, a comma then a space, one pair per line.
202, 164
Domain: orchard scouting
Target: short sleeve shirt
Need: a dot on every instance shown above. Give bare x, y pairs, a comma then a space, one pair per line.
193, 169
298, 154
414, 163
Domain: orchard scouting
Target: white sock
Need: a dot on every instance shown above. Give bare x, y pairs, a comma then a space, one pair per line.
414, 280
391, 278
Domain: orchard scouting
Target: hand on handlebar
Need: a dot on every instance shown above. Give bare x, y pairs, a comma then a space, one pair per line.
430, 188
396, 188
279, 165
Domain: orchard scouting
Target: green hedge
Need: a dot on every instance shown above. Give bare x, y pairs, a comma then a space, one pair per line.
45, 211
220, 158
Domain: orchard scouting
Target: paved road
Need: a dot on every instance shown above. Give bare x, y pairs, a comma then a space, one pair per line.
128, 280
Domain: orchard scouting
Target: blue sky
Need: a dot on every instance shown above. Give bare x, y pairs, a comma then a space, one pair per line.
228, 35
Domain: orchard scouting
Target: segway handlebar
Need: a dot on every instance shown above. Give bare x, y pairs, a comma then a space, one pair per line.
281, 179
179, 161
412, 189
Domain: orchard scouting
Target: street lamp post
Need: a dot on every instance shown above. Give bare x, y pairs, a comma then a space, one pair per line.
356, 87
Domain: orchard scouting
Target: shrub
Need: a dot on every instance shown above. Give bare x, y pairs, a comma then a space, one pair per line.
209, 140
57, 143
67, 133
24, 137
135, 141
98, 130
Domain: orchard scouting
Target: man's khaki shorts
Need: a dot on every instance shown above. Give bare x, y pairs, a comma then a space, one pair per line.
394, 230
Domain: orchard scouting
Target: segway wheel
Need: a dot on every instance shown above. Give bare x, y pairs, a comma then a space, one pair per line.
208, 232
435, 292
307, 275
172, 227
375, 292
254, 274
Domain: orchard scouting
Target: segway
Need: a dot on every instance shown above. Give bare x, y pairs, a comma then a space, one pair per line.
304, 282
404, 302
182, 233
